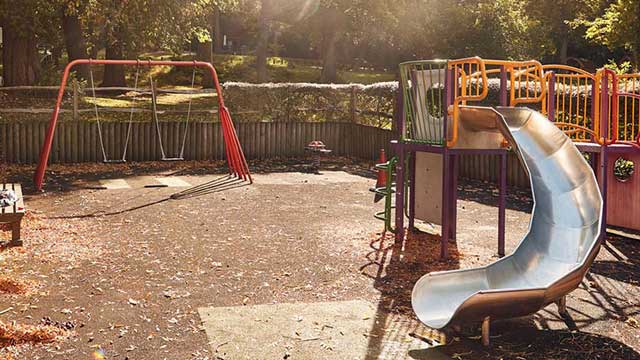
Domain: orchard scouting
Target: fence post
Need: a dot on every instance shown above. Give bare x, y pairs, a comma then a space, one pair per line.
352, 105
75, 99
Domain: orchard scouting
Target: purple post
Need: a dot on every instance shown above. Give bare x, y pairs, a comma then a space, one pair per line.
450, 83
502, 203
454, 198
412, 191
446, 204
398, 114
604, 159
448, 100
604, 132
400, 194
503, 86
551, 100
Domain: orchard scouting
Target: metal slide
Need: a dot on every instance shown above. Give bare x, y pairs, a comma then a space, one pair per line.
560, 245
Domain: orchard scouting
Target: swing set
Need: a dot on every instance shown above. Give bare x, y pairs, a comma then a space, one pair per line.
235, 156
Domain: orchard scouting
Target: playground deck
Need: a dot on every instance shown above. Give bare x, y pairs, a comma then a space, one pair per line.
135, 272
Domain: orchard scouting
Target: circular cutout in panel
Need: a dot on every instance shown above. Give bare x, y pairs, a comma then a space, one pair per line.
623, 169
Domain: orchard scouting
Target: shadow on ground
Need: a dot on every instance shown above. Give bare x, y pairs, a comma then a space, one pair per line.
486, 193
70, 177
395, 267
626, 265
522, 341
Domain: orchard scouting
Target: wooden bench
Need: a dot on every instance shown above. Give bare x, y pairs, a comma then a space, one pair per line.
13, 214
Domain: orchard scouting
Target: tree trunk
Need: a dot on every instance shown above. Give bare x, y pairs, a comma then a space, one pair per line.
74, 42
21, 65
217, 30
564, 44
114, 74
204, 52
329, 62
330, 36
263, 41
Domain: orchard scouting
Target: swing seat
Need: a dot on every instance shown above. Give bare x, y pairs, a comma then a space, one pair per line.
114, 161
173, 159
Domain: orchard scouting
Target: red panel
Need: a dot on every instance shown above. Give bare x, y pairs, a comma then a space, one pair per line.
623, 198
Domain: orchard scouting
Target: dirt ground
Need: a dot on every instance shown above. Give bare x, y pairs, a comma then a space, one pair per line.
124, 271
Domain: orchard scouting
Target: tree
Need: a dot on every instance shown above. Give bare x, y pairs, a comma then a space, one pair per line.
20, 22
128, 27
73, 33
617, 27
264, 32
207, 30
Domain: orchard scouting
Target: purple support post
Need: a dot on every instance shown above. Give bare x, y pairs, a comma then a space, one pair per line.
450, 82
446, 204
604, 158
551, 98
453, 220
502, 191
604, 131
502, 203
412, 190
398, 113
400, 121
400, 194
503, 86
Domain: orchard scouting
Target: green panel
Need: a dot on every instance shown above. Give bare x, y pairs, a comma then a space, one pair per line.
424, 94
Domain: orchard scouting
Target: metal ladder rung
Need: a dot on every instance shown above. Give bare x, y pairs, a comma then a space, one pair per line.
380, 215
383, 166
382, 191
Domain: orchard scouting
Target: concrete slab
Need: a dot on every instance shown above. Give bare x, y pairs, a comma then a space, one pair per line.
172, 181
114, 184
328, 330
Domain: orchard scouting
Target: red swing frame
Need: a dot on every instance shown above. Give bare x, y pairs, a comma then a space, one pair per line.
235, 156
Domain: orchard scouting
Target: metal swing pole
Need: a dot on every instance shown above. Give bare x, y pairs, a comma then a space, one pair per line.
240, 168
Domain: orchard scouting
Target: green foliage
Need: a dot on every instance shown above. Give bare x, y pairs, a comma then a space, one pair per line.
366, 34
619, 68
616, 27
623, 169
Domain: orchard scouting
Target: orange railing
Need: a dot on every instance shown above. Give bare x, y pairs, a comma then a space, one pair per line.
603, 107
573, 109
629, 102
471, 75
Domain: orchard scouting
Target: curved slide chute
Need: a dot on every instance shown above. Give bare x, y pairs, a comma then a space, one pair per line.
559, 247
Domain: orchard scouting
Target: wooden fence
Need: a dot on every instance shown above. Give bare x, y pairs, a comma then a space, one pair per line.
78, 141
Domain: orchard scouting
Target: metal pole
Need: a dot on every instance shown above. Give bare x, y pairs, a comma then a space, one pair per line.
453, 220
446, 200
400, 194
603, 173
45, 152
450, 83
502, 203
412, 191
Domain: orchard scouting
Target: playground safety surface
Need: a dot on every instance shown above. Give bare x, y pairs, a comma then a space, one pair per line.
133, 274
